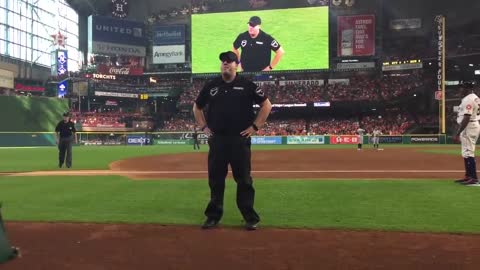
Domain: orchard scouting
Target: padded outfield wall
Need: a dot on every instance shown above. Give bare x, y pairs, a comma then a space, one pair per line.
30, 114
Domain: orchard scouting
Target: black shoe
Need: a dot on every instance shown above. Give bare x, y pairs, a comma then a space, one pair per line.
210, 223
60, 165
251, 226
68, 166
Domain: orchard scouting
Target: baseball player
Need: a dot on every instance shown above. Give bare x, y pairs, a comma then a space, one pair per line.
468, 131
360, 132
376, 138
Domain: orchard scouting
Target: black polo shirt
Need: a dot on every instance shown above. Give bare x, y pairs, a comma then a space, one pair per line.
230, 105
65, 129
256, 52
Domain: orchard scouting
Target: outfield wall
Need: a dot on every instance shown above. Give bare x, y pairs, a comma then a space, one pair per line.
17, 139
30, 114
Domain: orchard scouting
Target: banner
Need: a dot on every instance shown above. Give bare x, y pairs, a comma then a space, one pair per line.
161, 142
401, 24
262, 83
111, 70
339, 81
97, 47
356, 35
7, 79
28, 88
116, 31
344, 139
62, 89
359, 65
114, 94
305, 139
138, 140
396, 67
168, 54
266, 140
61, 63
302, 82
168, 34
388, 139
424, 139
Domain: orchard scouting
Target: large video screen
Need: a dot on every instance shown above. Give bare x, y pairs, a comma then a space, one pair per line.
301, 33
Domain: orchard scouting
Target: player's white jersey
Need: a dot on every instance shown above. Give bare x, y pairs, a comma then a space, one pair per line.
360, 131
377, 133
469, 105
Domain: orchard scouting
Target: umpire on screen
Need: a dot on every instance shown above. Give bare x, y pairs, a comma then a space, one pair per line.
65, 135
230, 121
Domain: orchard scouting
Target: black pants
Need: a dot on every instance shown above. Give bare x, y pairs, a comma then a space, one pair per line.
196, 144
233, 150
65, 147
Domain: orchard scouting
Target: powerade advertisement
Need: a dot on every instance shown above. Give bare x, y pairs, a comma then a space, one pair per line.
138, 140
306, 140
266, 140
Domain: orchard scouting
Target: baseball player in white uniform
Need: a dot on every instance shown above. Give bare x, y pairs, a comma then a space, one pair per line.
376, 138
360, 132
468, 132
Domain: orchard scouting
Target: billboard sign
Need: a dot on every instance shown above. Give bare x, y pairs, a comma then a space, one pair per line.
62, 63
116, 31
306, 140
356, 35
168, 34
62, 89
168, 54
119, 70
138, 140
109, 48
344, 139
266, 140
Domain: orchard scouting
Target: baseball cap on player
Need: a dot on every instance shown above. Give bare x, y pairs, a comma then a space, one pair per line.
66, 114
228, 56
254, 21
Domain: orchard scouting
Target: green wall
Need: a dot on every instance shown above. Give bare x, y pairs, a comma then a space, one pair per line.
23, 114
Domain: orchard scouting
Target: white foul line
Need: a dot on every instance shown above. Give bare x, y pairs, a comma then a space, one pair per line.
118, 172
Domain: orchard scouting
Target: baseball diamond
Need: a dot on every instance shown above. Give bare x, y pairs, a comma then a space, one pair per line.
239, 134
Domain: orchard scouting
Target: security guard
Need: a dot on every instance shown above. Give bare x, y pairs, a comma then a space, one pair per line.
229, 123
65, 134
256, 46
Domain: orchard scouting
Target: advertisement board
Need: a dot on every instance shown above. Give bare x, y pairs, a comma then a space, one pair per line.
116, 31
168, 34
138, 140
356, 35
266, 140
344, 139
424, 139
305, 139
168, 54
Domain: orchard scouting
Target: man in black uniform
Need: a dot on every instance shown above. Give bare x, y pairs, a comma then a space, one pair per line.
229, 123
256, 48
196, 144
65, 134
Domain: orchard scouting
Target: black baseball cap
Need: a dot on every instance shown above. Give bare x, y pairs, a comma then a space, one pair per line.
228, 56
254, 21
66, 114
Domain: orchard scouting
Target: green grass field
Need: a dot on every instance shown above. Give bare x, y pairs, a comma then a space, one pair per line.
302, 32
411, 205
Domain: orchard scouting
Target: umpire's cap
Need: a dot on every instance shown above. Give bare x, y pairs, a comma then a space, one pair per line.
254, 21
229, 57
